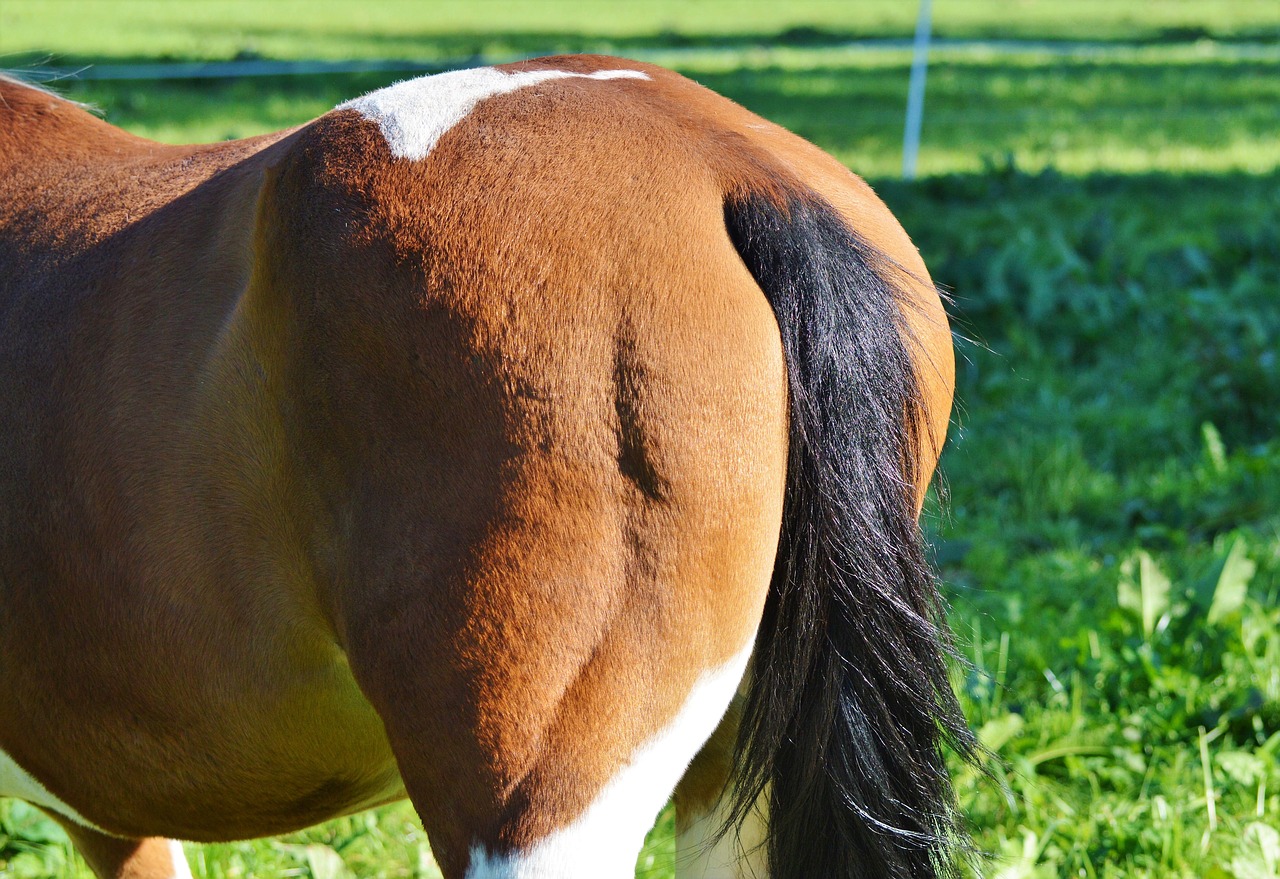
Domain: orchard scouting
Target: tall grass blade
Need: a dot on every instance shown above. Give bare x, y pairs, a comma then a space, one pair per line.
1214, 449
1146, 594
1233, 584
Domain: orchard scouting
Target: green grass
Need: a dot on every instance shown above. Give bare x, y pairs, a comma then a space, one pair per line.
1111, 541
387, 843
1110, 229
220, 29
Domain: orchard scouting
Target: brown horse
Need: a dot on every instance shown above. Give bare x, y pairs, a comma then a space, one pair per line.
470, 443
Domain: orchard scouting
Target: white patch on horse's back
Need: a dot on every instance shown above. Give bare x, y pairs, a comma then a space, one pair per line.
605, 840
17, 782
415, 114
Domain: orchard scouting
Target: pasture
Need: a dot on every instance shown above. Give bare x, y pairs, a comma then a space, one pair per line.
1108, 224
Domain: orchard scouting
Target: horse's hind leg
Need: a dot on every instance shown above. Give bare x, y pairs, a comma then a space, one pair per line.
579, 685
546, 678
111, 857
568, 794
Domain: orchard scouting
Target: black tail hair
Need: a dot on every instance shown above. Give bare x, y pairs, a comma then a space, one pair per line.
849, 704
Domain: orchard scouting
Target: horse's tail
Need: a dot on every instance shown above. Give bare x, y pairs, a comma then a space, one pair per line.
849, 704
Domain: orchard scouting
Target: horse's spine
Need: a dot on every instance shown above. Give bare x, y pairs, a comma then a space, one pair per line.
849, 705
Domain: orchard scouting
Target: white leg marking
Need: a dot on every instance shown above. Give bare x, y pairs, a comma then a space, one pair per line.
17, 782
413, 115
181, 869
605, 840
699, 856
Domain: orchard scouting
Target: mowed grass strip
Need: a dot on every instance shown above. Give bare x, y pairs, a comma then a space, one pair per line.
335, 29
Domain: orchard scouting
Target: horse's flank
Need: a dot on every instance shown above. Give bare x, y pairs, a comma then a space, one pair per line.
144, 485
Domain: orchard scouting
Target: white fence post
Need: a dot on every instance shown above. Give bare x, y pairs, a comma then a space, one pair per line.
915, 93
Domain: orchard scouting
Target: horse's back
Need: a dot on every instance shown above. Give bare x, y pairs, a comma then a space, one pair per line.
119, 256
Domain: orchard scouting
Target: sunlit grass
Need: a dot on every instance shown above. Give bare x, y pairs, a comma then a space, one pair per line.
220, 29
1124, 403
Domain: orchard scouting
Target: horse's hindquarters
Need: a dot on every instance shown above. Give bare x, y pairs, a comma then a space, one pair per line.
555, 425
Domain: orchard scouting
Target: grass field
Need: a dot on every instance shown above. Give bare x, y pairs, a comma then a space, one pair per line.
220, 29
1109, 225
1167, 103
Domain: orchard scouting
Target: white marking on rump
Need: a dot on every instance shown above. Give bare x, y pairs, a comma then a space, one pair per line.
17, 782
415, 114
605, 840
